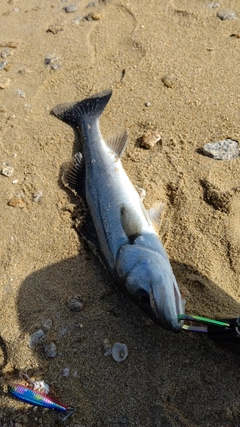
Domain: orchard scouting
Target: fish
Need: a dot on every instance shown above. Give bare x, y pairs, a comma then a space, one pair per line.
117, 222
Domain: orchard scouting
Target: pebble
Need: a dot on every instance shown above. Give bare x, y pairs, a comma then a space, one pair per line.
226, 14
2, 65
95, 16
7, 171
15, 181
213, 5
20, 93
168, 81
37, 196
50, 350
227, 149
107, 347
92, 4
119, 352
147, 104
149, 139
4, 83
77, 20
35, 338
6, 52
51, 60
75, 303
66, 372
41, 386
70, 8
13, 45
17, 202
54, 29
47, 324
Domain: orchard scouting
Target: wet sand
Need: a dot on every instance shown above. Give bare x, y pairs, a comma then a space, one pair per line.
168, 380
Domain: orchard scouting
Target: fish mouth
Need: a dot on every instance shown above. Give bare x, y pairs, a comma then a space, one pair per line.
167, 304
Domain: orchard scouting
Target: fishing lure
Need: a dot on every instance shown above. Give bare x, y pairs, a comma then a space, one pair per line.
217, 330
33, 397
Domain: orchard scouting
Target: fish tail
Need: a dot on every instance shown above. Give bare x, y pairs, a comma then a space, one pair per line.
75, 113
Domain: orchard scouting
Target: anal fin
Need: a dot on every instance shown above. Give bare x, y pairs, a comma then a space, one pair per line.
74, 176
88, 230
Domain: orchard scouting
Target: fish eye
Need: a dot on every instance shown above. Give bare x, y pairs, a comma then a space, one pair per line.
143, 298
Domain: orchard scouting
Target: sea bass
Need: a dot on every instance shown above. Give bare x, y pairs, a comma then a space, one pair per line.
117, 222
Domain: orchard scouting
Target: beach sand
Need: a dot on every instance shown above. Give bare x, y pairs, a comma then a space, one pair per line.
168, 380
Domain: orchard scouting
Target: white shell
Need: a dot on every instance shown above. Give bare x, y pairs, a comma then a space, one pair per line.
119, 352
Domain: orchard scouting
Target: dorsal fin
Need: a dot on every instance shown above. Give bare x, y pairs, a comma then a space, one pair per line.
117, 142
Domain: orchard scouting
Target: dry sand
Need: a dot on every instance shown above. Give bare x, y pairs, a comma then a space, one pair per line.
168, 380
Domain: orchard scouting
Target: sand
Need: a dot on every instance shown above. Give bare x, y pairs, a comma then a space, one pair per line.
168, 380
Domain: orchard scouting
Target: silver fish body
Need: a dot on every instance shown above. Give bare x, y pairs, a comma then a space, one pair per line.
118, 223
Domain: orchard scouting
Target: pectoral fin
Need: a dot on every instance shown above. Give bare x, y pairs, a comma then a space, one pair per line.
131, 223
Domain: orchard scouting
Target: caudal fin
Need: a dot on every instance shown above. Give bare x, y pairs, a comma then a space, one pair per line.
74, 113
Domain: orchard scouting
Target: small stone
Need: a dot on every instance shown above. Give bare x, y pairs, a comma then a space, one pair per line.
15, 181
52, 61
55, 66
119, 352
150, 138
47, 324
213, 5
92, 4
70, 8
50, 350
7, 171
107, 347
147, 104
4, 83
12, 45
6, 52
41, 386
17, 202
66, 372
37, 196
54, 29
35, 338
227, 14
24, 71
49, 59
96, 16
2, 65
77, 20
75, 303
227, 149
169, 81
20, 93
